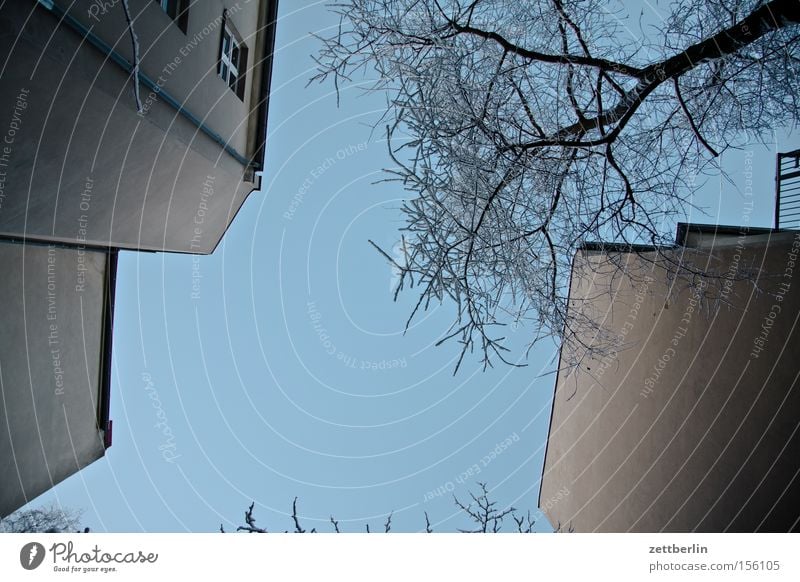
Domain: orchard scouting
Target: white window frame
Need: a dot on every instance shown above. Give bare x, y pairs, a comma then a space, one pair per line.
230, 70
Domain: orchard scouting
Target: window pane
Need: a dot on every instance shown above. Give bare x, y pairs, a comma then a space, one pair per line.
224, 72
226, 43
232, 81
235, 56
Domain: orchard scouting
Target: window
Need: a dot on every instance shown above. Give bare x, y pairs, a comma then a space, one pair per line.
177, 10
232, 60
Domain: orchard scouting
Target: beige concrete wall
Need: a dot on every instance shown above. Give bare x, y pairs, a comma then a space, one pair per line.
68, 119
689, 422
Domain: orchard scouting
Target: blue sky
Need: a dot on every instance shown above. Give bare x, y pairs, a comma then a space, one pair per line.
278, 367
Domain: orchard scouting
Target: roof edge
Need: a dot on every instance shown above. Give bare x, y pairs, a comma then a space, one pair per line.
267, 59
104, 400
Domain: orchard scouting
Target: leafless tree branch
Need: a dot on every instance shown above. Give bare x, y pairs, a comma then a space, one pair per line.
135, 52
524, 130
483, 513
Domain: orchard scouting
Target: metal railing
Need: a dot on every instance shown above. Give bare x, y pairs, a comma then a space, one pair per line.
787, 190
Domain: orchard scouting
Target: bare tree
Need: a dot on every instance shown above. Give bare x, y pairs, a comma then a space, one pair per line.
482, 513
43, 520
524, 129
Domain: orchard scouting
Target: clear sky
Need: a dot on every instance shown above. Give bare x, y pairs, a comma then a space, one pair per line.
278, 367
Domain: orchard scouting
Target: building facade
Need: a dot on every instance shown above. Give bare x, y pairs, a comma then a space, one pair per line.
55, 365
86, 161
687, 418
137, 125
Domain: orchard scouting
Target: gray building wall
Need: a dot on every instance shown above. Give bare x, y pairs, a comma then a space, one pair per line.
73, 148
689, 422
82, 168
54, 349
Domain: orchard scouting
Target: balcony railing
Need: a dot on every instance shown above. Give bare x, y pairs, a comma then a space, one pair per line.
787, 190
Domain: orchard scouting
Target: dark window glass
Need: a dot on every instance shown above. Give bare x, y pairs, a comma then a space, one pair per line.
177, 10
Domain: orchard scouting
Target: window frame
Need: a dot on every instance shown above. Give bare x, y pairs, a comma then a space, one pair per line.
232, 58
228, 68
